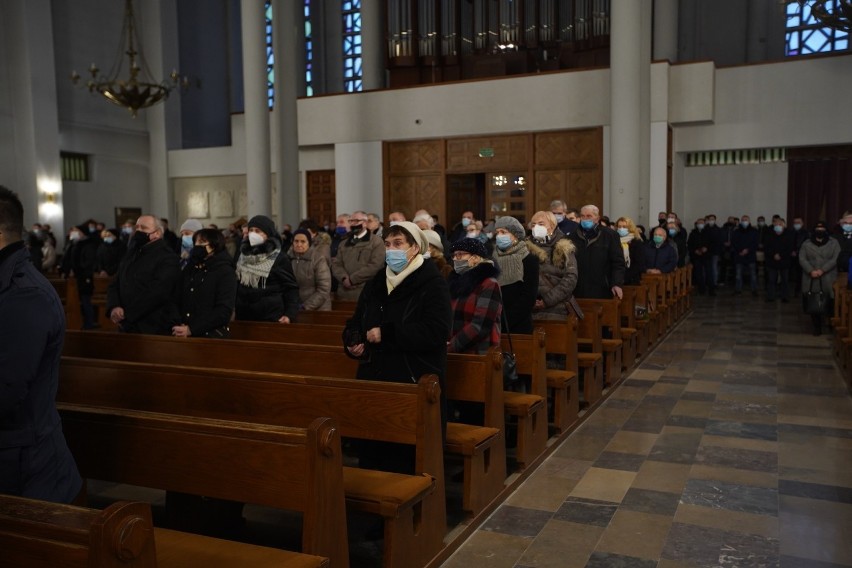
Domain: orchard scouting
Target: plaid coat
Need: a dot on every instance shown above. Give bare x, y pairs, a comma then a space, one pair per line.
477, 306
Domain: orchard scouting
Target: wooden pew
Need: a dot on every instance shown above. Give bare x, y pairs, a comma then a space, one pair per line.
839, 318
629, 332
323, 318
590, 355
287, 468
343, 305
645, 326
561, 340
613, 345
413, 507
529, 409
39, 533
71, 301
658, 308
476, 378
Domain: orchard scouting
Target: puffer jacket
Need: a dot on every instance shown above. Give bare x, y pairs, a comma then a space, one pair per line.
314, 278
557, 275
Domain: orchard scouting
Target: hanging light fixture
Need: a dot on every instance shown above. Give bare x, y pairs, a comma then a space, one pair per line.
139, 89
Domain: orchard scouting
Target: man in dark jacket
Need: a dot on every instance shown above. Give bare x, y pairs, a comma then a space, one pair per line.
714, 234
778, 251
744, 242
800, 235
844, 237
78, 262
34, 459
141, 297
700, 245
660, 252
600, 260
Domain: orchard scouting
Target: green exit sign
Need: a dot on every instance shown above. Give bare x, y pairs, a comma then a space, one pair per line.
486, 152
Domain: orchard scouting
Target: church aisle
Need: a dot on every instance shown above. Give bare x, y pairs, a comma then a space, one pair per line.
731, 445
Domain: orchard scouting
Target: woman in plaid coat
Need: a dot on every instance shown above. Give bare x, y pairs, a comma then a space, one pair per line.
476, 299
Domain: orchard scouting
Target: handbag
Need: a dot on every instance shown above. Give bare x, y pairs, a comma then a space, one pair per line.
815, 300
511, 381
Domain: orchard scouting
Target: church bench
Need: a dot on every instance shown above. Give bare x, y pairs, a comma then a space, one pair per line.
40, 533
332, 317
658, 309
613, 346
629, 332
840, 318
528, 409
71, 301
645, 324
469, 377
343, 305
297, 469
590, 354
561, 341
413, 507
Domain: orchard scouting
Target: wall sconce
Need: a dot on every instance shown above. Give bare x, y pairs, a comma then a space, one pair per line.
50, 198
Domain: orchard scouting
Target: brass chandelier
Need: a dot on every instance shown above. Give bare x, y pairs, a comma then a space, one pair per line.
139, 89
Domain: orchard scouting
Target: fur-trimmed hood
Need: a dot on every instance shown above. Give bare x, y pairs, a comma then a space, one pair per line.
562, 249
464, 284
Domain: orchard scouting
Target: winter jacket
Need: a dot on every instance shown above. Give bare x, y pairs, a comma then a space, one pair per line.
633, 273
600, 262
813, 256
700, 245
144, 287
34, 459
557, 275
845, 242
781, 245
663, 257
80, 258
518, 297
272, 297
744, 239
108, 257
314, 278
208, 292
477, 307
359, 259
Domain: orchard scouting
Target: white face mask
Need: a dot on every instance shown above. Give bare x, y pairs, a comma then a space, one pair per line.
539, 231
255, 239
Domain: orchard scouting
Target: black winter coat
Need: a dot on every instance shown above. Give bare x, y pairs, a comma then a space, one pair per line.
519, 297
781, 245
34, 460
600, 262
145, 287
108, 256
80, 258
208, 292
697, 242
415, 322
278, 294
845, 240
633, 273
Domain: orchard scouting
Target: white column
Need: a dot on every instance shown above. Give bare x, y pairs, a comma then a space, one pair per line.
665, 30
288, 43
630, 102
159, 185
372, 45
26, 28
258, 184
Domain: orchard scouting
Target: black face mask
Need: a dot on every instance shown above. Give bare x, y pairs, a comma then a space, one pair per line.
820, 235
356, 229
140, 239
197, 253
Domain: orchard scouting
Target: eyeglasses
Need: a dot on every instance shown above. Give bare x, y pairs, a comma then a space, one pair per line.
356, 221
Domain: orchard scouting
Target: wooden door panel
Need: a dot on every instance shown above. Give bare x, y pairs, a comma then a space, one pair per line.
321, 196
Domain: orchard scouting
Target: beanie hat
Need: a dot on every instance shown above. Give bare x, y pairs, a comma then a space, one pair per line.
303, 232
512, 225
265, 224
416, 233
434, 239
472, 246
191, 225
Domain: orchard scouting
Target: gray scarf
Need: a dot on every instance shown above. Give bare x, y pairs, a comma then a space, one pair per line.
253, 269
511, 263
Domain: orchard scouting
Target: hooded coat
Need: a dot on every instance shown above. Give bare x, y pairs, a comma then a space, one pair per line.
557, 275
35, 461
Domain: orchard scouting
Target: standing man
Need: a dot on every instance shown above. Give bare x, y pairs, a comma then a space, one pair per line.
358, 258
700, 247
744, 242
845, 241
140, 299
600, 260
565, 223
714, 234
800, 235
459, 231
34, 459
778, 250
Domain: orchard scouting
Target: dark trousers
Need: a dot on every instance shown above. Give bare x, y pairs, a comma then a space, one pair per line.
773, 276
702, 274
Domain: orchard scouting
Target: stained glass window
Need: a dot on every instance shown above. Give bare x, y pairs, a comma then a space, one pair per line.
352, 75
309, 50
807, 35
270, 57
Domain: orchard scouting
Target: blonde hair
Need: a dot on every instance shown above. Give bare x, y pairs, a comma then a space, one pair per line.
631, 226
548, 217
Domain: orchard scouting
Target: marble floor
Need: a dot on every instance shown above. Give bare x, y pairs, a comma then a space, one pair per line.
730, 445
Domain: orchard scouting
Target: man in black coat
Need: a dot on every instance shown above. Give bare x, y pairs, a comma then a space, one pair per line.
700, 245
778, 253
800, 235
140, 298
34, 459
79, 262
600, 260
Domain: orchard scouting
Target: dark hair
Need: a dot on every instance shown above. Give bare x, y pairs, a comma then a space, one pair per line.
213, 237
400, 230
11, 215
310, 225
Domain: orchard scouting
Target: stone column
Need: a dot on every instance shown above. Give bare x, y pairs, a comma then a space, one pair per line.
257, 143
372, 45
665, 30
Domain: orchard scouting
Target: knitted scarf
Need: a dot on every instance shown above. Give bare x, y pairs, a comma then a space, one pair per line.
625, 246
253, 269
511, 263
393, 280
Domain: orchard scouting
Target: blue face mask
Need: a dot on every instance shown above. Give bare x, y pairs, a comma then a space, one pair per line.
623, 231
778, 229
744, 224
797, 226
587, 224
341, 231
397, 260
559, 218
186, 241
503, 241
109, 240
847, 227
672, 232
700, 226
465, 221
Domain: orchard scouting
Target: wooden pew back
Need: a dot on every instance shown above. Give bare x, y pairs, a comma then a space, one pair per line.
288, 468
